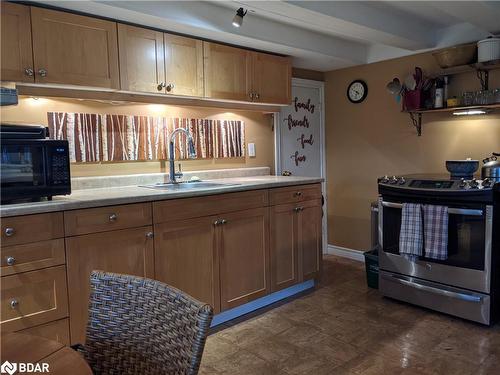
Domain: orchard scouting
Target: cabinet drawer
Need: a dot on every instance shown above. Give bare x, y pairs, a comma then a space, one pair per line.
178, 209
103, 219
33, 298
291, 194
58, 331
31, 228
32, 256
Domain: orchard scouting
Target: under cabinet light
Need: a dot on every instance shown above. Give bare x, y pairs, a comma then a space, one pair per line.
470, 112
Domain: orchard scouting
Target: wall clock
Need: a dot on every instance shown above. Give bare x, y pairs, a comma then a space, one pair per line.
357, 91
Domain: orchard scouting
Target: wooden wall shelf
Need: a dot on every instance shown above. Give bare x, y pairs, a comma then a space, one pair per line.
92, 93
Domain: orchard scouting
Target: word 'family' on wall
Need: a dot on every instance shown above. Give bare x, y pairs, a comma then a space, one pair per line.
105, 137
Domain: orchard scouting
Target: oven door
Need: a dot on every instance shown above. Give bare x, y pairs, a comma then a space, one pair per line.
469, 247
22, 168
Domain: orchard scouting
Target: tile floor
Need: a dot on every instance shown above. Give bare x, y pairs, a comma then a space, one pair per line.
343, 327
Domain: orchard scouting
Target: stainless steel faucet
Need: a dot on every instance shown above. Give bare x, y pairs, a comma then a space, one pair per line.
191, 150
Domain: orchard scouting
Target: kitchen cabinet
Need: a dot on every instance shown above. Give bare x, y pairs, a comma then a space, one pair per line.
271, 78
16, 48
237, 74
183, 65
244, 256
186, 257
142, 59
284, 246
127, 251
310, 239
74, 49
57, 330
227, 72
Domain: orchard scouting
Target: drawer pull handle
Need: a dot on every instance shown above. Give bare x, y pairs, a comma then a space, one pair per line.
298, 193
14, 303
150, 235
113, 217
11, 261
298, 209
9, 232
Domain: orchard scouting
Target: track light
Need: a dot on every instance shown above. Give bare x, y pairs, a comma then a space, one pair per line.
238, 18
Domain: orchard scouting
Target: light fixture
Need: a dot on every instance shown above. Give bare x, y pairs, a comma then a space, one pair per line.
470, 112
238, 18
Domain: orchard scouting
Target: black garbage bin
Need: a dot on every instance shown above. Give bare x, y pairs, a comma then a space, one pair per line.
371, 265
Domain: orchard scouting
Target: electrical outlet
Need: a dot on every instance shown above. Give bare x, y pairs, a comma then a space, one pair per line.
251, 150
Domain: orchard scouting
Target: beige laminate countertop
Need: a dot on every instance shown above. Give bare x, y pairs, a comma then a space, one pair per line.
88, 198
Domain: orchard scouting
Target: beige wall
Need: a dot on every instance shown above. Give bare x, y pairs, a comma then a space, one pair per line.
258, 128
374, 138
308, 74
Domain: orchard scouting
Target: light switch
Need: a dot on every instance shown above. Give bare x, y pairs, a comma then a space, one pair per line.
251, 150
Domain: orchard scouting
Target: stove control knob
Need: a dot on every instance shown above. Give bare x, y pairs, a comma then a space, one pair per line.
393, 180
474, 184
463, 184
402, 181
384, 179
487, 183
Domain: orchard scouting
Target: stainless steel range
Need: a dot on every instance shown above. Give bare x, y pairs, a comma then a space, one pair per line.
466, 283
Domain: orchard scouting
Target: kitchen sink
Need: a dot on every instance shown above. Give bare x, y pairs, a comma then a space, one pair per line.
187, 186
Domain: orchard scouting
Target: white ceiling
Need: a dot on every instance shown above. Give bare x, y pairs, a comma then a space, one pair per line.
320, 35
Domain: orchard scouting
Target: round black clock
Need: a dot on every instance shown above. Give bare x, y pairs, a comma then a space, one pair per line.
357, 91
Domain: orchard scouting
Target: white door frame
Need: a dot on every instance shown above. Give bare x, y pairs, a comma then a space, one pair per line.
277, 145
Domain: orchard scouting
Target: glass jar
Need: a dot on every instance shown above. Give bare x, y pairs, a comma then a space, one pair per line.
467, 98
496, 95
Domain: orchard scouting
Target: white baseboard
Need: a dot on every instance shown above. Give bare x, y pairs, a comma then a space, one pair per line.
346, 253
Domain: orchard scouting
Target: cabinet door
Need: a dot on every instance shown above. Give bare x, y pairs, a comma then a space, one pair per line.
227, 72
284, 272
17, 56
244, 257
128, 251
142, 65
73, 49
186, 258
184, 65
271, 78
310, 240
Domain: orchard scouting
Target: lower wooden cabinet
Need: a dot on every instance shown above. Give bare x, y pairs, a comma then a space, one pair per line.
244, 256
296, 243
57, 330
128, 251
186, 257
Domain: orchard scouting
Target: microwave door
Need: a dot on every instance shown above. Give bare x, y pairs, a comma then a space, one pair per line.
22, 166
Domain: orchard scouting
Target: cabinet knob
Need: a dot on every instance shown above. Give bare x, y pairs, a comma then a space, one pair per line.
160, 86
9, 232
42, 72
251, 95
256, 96
217, 222
14, 303
29, 72
298, 193
113, 217
223, 221
150, 235
11, 261
170, 87
298, 209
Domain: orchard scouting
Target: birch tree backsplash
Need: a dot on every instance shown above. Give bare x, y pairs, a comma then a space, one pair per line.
104, 137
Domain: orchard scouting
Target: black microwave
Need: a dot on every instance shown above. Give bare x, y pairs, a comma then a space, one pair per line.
33, 168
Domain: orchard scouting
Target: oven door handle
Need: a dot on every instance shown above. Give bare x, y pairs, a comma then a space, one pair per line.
451, 210
426, 288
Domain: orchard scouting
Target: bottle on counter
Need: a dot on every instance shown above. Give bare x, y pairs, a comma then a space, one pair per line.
445, 90
439, 94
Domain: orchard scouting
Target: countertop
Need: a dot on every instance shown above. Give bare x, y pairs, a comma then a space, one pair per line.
100, 197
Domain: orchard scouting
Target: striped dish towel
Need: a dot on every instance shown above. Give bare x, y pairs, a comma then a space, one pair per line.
411, 236
436, 232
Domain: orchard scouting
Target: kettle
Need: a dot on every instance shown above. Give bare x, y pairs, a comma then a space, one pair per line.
491, 168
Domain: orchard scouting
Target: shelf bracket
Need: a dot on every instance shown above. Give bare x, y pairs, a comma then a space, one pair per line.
483, 76
416, 119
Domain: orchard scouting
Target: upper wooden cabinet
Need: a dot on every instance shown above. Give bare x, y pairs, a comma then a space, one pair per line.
184, 65
238, 74
73, 49
142, 60
271, 78
227, 72
17, 55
